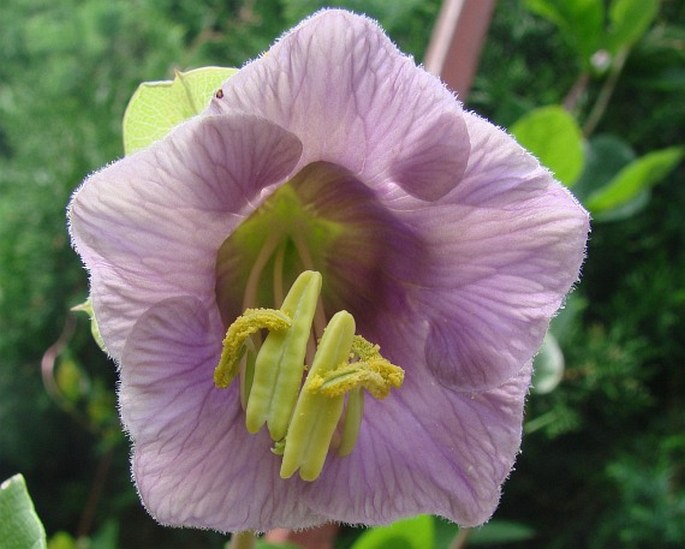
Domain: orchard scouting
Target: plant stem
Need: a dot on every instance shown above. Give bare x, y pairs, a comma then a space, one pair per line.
460, 541
605, 93
576, 92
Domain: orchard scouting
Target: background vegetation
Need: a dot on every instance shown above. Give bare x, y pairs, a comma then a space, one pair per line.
603, 461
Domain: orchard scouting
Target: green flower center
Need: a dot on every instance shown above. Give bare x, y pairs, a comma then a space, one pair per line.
302, 419
285, 237
310, 396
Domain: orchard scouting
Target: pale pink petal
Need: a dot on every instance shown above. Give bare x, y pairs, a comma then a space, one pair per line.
149, 226
502, 250
426, 448
194, 462
354, 99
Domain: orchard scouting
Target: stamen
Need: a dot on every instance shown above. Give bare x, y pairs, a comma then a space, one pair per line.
247, 371
251, 321
316, 416
302, 418
279, 261
252, 284
302, 251
351, 422
280, 361
372, 371
308, 263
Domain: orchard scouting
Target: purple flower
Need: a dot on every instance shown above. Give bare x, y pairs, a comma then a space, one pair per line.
449, 245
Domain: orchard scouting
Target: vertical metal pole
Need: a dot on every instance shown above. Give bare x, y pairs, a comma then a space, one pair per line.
456, 42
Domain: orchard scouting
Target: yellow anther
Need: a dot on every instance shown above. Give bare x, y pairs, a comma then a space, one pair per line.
250, 322
351, 422
305, 421
372, 371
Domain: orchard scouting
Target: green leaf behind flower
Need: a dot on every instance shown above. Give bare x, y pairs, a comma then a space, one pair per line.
605, 156
20, 527
413, 533
548, 366
628, 21
501, 531
636, 178
156, 107
554, 136
580, 22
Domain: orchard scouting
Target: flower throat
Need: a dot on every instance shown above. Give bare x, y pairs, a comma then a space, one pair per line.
305, 419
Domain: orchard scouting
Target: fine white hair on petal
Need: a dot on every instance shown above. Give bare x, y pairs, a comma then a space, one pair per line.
148, 226
346, 91
458, 248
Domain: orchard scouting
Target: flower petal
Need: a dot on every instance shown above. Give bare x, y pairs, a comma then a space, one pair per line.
505, 246
194, 462
149, 226
344, 89
426, 449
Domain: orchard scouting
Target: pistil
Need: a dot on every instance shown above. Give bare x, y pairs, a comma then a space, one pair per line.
304, 418
316, 416
280, 361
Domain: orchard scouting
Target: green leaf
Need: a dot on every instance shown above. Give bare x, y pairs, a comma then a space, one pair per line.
501, 531
605, 156
580, 22
548, 366
156, 107
553, 135
636, 177
413, 533
261, 544
20, 527
107, 536
628, 21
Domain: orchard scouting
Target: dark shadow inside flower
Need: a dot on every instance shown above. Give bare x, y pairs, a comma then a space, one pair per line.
323, 219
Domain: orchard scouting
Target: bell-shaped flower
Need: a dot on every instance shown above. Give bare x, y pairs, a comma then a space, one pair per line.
439, 240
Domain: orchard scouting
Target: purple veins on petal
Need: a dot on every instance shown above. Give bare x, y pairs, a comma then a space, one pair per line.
447, 242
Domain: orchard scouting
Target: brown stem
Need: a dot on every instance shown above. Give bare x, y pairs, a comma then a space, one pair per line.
321, 537
576, 92
86, 521
460, 541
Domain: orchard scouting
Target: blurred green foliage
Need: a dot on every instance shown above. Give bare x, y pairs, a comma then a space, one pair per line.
604, 455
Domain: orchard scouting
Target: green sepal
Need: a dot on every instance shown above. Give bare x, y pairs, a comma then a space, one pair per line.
87, 307
156, 107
